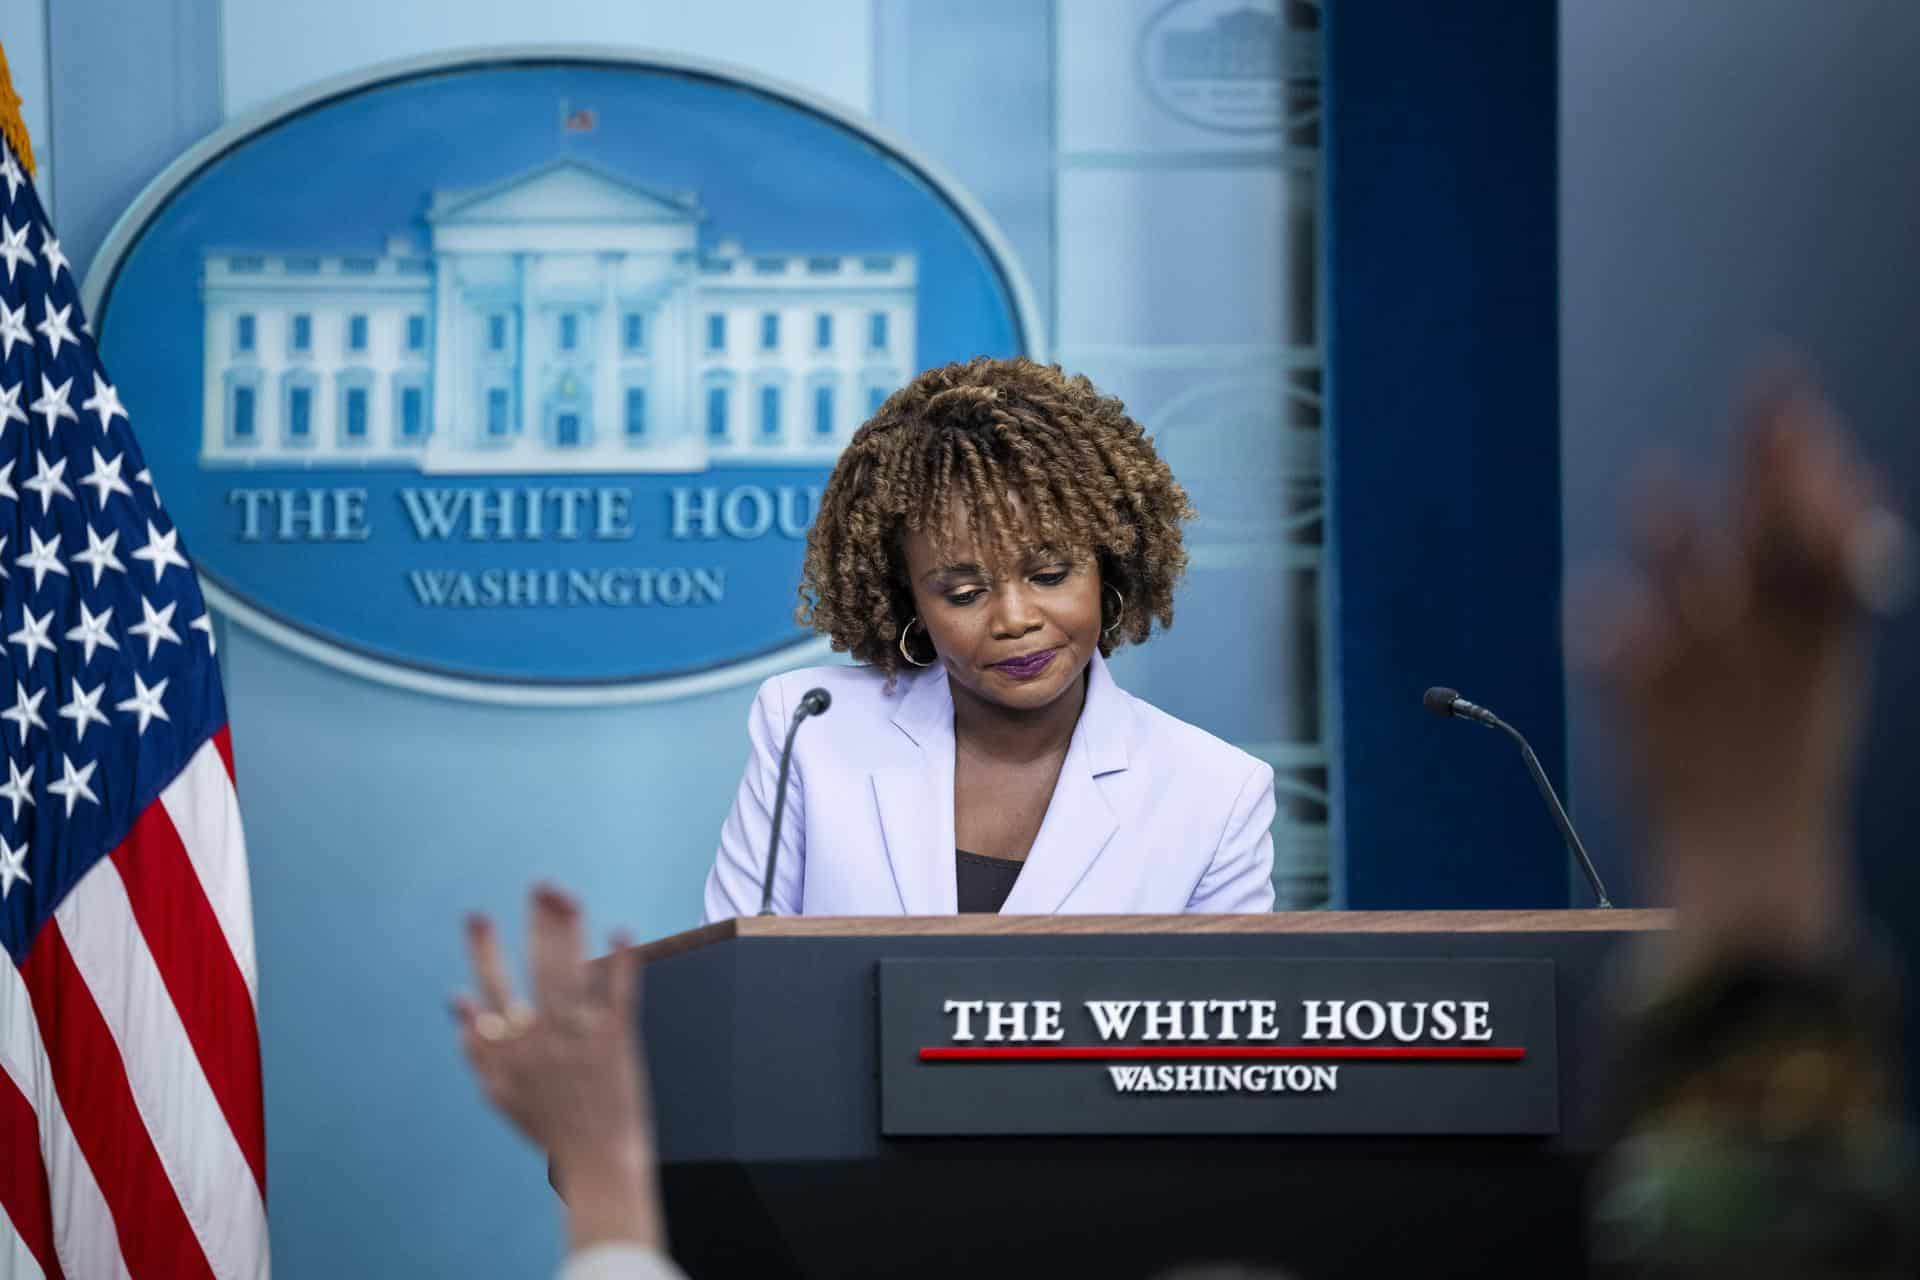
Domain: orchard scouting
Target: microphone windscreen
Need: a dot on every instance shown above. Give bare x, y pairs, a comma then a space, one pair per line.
1440, 700
816, 701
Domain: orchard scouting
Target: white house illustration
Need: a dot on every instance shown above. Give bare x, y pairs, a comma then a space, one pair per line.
561, 321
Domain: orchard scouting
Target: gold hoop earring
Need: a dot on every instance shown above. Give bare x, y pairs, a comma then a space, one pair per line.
903, 643
1120, 616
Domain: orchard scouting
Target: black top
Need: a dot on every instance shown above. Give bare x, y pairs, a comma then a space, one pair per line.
984, 882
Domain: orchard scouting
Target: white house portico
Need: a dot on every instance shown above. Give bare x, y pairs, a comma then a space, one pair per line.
561, 321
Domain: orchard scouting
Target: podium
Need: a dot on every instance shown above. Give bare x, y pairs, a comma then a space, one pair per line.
790, 1147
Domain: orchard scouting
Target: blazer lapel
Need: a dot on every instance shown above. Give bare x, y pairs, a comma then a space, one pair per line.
1080, 821
913, 794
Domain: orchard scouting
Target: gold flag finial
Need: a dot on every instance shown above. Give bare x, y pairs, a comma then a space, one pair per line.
12, 126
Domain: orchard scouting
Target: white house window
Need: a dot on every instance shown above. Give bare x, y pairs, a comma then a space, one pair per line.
769, 414
416, 333
716, 332
876, 396
566, 429
299, 411
633, 331
823, 410
497, 331
353, 414
877, 331
300, 335
356, 333
243, 333
499, 425
770, 331
823, 331
410, 413
636, 414
243, 399
569, 331
716, 413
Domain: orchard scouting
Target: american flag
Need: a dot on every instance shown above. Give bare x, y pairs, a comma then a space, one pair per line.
131, 1137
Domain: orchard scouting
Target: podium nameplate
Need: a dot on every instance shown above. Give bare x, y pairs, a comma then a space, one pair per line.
1085, 1045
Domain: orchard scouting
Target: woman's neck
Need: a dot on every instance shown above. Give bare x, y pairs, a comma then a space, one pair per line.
1001, 733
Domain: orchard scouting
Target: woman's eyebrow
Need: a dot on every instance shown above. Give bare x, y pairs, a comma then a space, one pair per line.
955, 570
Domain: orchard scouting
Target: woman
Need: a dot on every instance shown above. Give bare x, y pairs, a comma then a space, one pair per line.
985, 541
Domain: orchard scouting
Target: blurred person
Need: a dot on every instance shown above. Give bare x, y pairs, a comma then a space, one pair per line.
988, 537
1763, 1133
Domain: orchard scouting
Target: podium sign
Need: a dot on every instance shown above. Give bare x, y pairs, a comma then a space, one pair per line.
1047, 1045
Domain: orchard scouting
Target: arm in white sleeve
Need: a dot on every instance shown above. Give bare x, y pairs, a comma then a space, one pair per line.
620, 1262
1240, 877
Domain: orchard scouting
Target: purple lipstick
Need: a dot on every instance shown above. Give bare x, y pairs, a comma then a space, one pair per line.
1027, 666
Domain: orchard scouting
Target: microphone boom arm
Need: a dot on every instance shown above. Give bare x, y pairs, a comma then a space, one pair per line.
812, 703
1554, 807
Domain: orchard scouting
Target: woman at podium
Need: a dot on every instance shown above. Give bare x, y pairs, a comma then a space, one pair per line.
985, 541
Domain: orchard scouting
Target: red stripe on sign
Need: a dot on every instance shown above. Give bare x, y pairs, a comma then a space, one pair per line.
1215, 1052
223, 743
23, 1177
209, 992
155, 1237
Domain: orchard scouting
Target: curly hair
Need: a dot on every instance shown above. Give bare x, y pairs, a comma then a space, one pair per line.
1014, 453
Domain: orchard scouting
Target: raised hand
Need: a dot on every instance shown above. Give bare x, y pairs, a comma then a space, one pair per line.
567, 1070
1735, 658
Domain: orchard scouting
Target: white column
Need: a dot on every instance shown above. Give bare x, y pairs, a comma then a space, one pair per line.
609, 406
273, 366
525, 347
213, 381
448, 396
673, 371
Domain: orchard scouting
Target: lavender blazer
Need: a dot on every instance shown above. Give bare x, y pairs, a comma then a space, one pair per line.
1150, 814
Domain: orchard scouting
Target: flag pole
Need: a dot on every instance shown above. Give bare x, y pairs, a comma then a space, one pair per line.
12, 125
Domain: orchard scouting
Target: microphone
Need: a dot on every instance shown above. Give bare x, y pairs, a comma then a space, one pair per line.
1448, 702
813, 702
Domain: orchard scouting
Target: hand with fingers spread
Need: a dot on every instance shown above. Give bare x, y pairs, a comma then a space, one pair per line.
567, 1070
1736, 664
1761, 1127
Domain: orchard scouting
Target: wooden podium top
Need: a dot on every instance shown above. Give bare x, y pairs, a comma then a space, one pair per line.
1545, 921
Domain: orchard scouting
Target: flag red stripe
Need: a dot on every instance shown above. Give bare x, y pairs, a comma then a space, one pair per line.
209, 993
23, 1177
223, 743
155, 1238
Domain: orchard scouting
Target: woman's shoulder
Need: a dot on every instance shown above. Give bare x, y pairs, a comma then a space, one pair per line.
1168, 742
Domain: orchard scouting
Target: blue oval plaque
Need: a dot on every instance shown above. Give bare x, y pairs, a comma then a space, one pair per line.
518, 378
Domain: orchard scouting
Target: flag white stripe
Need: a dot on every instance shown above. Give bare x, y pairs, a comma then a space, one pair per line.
84, 1237
16, 1260
206, 813
202, 1158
